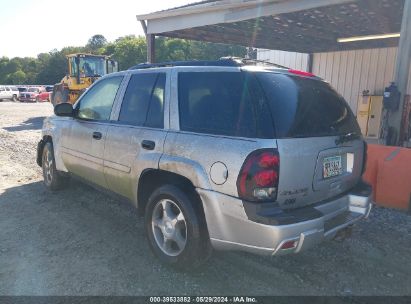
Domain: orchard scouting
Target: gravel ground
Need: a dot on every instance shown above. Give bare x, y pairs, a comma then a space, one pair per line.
80, 242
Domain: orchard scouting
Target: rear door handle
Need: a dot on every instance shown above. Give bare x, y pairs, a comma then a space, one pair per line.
97, 135
148, 144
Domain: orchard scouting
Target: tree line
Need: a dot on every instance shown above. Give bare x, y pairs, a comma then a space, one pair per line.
50, 68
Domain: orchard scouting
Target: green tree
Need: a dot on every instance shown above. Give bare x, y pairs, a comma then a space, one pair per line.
96, 43
129, 51
53, 69
50, 68
18, 77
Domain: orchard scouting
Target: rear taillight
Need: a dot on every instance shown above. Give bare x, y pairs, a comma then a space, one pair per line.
258, 178
364, 158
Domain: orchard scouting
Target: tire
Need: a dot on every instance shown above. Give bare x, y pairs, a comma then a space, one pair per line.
14, 98
53, 179
177, 236
37, 99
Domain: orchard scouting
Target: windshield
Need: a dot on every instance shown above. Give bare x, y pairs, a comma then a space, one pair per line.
92, 66
304, 107
33, 90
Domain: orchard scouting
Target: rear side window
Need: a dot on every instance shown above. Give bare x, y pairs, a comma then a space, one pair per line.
303, 107
223, 103
143, 103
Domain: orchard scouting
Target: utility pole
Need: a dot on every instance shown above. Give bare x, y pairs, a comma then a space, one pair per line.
402, 69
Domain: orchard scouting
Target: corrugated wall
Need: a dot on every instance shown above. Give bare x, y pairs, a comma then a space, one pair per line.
350, 72
292, 60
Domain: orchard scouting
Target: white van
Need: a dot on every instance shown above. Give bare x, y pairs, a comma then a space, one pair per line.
9, 92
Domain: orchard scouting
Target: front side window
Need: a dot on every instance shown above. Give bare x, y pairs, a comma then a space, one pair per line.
143, 103
98, 101
223, 103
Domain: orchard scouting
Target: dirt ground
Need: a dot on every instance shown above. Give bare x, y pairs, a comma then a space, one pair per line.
81, 242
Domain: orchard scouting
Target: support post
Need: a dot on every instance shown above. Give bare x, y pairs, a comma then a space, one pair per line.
151, 48
402, 68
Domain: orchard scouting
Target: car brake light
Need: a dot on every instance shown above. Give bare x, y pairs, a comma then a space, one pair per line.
301, 73
259, 176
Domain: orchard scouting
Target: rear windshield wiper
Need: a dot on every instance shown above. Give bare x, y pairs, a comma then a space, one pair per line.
347, 137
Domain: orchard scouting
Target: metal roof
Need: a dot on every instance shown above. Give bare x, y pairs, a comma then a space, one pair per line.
307, 26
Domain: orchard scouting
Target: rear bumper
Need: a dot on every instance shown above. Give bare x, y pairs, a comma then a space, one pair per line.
230, 228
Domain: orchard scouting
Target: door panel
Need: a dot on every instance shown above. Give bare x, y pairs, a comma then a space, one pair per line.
83, 141
81, 153
125, 158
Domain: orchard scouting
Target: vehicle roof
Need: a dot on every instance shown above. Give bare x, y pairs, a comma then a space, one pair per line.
235, 62
88, 55
224, 61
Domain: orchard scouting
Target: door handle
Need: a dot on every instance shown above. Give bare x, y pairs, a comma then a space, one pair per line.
148, 144
97, 135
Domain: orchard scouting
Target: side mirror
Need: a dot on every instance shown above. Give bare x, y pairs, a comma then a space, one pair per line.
64, 109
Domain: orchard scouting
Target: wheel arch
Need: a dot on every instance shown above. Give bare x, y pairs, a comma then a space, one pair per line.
40, 147
151, 179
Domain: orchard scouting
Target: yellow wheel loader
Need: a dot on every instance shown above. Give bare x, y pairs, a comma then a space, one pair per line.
83, 71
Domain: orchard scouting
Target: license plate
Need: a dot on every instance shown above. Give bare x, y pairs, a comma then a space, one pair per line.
332, 166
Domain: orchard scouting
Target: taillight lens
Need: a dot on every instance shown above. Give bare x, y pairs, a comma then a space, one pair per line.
258, 178
364, 159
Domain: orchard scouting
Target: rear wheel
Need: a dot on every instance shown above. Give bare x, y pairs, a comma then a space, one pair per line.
176, 228
14, 98
53, 179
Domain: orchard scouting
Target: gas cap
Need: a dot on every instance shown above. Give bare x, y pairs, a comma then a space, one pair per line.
218, 173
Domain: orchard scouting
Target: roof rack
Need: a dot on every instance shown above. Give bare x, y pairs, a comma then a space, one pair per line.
223, 61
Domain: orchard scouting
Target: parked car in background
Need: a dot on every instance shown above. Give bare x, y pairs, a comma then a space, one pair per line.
21, 90
31, 94
9, 92
43, 96
233, 157
49, 88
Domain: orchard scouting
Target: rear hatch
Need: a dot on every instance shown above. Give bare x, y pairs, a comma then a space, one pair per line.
318, 139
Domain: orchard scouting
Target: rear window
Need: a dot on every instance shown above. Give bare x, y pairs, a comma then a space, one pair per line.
303, 107
223, 103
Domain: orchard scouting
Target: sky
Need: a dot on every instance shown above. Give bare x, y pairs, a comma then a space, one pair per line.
30, 27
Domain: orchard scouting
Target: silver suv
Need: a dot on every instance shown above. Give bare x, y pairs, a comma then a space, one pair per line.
9, 92
215, 155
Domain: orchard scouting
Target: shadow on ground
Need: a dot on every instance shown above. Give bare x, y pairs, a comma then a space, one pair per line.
79, 242
34, 123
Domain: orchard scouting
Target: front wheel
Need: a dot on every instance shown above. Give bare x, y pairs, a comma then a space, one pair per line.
176, 228
53, 179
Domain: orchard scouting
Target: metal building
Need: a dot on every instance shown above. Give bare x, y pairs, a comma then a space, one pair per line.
355, 44
350, 72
